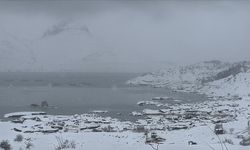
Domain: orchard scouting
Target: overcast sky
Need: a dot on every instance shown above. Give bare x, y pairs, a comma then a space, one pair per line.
120, 35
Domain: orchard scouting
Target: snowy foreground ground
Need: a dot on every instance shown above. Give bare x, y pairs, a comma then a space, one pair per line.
116, 137
123, 141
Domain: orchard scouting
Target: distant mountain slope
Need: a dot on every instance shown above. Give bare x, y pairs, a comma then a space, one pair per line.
235, 84
64, 26
213, 77
176, 76
63, 46
235, 69
15, 53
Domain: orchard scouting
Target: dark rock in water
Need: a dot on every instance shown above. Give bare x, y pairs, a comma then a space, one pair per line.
44, 104
34, 105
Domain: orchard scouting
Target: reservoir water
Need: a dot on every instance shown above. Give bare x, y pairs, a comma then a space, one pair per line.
77, 93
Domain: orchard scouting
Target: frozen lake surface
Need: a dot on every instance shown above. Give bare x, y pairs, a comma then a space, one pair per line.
77, 93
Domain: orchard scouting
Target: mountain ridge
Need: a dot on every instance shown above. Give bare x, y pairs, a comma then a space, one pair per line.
203, 77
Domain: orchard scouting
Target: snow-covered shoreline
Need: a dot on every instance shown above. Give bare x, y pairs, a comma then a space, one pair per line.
88, 130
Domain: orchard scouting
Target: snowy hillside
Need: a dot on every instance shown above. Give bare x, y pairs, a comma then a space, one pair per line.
229, 86
202, 77
177, 76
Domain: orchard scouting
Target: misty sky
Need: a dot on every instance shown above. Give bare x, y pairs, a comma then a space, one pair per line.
101, 35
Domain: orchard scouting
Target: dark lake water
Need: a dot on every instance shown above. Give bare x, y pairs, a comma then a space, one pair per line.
77, 93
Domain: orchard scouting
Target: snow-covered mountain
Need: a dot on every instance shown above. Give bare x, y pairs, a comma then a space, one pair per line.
65, 26
233, 85
176, 74
63, 46
15, 53
205, 77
